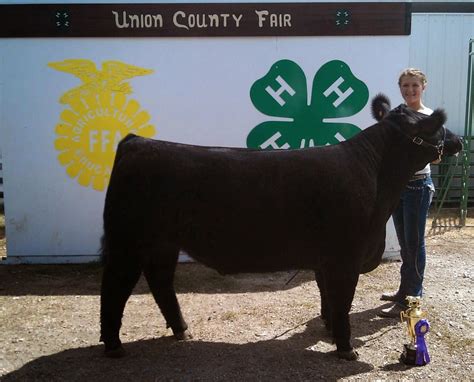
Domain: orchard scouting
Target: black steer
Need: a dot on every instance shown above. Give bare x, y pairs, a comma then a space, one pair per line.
241, 210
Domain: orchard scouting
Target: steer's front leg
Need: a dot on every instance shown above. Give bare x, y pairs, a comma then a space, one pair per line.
341, 284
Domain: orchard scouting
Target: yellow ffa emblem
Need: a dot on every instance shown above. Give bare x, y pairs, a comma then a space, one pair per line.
98, 117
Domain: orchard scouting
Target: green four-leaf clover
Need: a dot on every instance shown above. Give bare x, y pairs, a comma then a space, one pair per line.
282, 93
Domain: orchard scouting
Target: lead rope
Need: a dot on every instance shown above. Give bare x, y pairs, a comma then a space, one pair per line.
292, 277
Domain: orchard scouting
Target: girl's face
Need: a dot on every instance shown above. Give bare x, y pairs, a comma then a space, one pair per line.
411, 89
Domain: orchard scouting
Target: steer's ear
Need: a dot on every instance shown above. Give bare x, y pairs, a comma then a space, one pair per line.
432, 123
380, 106
439, 116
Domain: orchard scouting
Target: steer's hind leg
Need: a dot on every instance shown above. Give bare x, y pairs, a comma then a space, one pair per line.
118, 280
341, 284
159, 272
321, 282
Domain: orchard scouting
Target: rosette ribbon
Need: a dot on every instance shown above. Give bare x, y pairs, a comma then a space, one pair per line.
421, 328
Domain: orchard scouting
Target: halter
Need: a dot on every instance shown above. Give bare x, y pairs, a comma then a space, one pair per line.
439, 147
421, 142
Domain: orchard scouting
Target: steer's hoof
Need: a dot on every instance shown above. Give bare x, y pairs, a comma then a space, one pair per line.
118, 352
349, 355
183, 336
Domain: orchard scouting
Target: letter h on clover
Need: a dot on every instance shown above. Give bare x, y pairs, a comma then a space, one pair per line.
282, 93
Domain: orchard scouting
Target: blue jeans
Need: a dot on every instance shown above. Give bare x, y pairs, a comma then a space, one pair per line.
409, 220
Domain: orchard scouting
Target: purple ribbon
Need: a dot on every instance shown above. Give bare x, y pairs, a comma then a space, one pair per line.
421, 328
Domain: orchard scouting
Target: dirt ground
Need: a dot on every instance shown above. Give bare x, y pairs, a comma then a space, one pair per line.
245, 327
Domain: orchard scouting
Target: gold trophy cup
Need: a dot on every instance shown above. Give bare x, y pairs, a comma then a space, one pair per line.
415, 352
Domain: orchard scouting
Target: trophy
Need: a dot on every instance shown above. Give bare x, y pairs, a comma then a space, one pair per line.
415, 352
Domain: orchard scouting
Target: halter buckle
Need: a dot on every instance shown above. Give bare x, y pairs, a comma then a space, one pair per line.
418, 141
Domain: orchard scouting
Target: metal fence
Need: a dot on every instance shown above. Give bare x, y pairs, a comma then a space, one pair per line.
454, 177
1, 181
467, 173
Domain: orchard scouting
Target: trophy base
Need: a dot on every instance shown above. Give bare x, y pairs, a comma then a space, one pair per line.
408, 356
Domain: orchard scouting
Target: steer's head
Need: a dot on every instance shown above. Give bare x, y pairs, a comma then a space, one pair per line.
423, 130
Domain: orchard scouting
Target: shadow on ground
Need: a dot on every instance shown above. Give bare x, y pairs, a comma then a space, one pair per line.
84, 279
163, 358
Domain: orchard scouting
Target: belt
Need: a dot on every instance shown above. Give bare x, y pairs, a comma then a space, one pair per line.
418, 177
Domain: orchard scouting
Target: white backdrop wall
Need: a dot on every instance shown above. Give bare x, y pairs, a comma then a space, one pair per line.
439, 45
198, 93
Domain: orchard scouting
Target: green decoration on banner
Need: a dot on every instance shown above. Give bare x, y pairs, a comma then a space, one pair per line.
343, 18
282, 93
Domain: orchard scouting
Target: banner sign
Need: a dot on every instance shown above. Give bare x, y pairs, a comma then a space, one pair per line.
205, 19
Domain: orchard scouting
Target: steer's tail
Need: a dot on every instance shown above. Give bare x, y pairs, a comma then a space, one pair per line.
121, 151
103, 250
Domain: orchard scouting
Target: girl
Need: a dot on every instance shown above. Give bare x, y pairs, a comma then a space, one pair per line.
410, 216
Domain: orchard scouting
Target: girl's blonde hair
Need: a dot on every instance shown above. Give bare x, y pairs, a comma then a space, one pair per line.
412, 72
